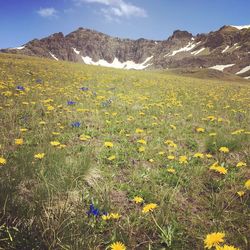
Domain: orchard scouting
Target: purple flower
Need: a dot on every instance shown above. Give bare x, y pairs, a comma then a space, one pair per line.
75, 124
71, 103
84, 89
20, 88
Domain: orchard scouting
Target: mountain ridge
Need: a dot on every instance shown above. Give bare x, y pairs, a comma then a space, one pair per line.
230, 45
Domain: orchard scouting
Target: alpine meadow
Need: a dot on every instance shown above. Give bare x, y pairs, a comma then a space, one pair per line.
124, 125
98, 158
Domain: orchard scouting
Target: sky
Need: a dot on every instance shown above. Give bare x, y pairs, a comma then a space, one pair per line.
24, 20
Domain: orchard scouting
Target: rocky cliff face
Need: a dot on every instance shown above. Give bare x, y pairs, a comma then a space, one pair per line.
227, 49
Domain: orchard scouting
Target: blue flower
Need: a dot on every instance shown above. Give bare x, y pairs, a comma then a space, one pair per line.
84, 89
20, 88
71, 103
93, 211
75, 124
39, 80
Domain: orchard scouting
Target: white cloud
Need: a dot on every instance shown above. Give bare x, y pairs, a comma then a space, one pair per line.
47, 12
117, 8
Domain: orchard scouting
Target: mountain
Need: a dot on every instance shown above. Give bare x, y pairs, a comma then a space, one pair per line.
227, 50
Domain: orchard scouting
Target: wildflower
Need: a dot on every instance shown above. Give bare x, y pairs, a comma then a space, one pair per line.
42, 123
198, 155
138, 199
75, 124
212, 134
84, 137
20, 88
183, 159
84, 89
19, 141
141, 141
200, 130
108, 144
209, 156
170, 143
173, 126
237, 132
171, 157
218, 168
71, 103
213, 240
149, 207
161, 153
55, 143
247, 184
23, 129
226, 247
224, 149
62, 146
39, 156
2, 161
92, 210
240, 193
241, 164
139, 131
55, 133
117, 246
141, 149
111, 158
50, 108
171, 170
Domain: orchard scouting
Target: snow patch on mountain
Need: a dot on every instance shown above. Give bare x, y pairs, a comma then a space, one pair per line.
76, 51
241, 27
19, 48
221, 67
187, 48
54, 56
196, 52
117, 64
247, 68
224, 50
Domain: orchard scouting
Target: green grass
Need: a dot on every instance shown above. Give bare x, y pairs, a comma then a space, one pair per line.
44, 203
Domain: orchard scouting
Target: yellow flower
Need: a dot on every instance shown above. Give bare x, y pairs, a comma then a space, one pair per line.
171, 157
139, 131
141, 149
84, 137
224, 149
170, 143
141, 141
138, 199
218, 169
149, 207
39, 156
55, 133
55, 143
212, 134
50, 108
171, 170
241, 164
23, 129
200, 130
213, 240
226, 247
240, 193
161, 153
115, 216
19, 141
209, 156
247, 184
2, 161
183, 159
173, 126
42, 123
117, 246
198, 155
108, 144
111, 158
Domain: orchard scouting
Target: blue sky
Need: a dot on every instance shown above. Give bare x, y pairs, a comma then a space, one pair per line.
24, 20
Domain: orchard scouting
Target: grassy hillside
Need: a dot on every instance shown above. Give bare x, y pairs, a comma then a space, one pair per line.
93, 156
